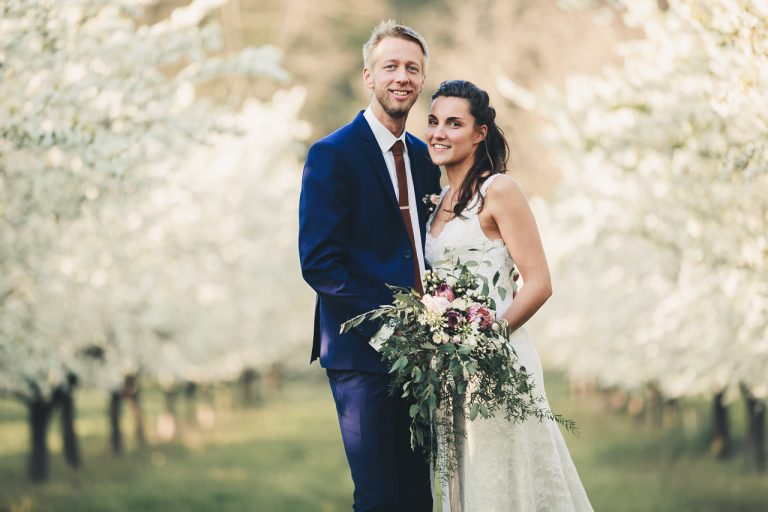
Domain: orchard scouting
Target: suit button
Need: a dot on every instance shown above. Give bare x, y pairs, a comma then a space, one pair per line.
408, 254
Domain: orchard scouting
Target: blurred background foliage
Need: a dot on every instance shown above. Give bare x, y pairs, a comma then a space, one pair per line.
533, 42
193, 391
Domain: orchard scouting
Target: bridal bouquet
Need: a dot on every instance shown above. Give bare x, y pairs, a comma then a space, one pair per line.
450, 355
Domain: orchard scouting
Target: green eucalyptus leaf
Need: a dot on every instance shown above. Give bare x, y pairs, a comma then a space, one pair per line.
420, 437
448, 348
401, 362
455, 368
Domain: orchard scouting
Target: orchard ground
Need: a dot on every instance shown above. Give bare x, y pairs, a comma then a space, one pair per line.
286, 455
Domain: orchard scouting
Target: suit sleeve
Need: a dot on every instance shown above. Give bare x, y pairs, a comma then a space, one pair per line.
324, 237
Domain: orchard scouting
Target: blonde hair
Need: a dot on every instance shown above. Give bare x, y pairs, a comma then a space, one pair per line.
390, 28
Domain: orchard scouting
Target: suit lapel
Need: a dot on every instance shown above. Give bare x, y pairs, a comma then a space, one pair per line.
417, 160
373, 152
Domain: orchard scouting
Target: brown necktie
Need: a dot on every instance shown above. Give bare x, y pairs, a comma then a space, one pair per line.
402, 187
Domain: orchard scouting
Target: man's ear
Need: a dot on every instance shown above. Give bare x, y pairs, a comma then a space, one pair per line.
368, 78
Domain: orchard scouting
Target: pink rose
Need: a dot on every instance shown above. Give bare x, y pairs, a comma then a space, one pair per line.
446, 291
482, 315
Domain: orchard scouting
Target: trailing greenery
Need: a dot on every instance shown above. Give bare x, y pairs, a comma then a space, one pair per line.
451, 357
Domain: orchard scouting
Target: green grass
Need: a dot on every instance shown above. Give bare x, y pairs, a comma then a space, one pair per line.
287, 456
284, 456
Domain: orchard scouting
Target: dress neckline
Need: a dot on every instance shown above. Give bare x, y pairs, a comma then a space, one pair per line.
483, 189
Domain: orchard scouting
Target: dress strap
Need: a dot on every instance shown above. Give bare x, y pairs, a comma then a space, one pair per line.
487, 183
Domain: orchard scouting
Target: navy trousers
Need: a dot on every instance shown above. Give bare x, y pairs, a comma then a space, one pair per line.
388, 475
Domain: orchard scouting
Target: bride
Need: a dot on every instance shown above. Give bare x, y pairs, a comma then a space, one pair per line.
505, 466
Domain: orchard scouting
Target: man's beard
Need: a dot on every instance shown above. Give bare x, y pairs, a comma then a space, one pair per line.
395, 110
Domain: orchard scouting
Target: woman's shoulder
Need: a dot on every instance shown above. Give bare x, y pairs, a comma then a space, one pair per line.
503, 191
500, 185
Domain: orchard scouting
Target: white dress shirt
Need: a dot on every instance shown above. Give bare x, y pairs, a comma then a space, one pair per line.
385, 139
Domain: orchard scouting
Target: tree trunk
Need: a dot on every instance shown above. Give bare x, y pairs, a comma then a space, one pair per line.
190, 402
755, 431
39, 416
168, 425
169, 396
275, 377
115, 410
68, 434
251, 392
721, 445
134, 400
655, 406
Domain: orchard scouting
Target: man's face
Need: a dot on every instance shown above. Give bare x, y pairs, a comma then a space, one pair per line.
396, 75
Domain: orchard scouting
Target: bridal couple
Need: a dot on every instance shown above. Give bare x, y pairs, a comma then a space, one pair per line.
364, 224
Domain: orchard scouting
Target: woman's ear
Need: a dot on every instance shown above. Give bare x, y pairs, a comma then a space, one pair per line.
481, 133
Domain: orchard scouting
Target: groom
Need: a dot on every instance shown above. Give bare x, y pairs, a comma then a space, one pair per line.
362, 226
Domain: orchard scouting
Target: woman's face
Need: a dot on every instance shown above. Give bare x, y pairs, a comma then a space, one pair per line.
452, 134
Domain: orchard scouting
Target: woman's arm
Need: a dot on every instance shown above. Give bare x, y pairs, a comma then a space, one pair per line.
507, 206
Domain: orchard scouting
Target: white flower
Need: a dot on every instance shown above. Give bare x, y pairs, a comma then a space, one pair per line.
459, 304
437, 305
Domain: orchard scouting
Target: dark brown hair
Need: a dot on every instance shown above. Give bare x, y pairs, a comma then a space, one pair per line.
492, 154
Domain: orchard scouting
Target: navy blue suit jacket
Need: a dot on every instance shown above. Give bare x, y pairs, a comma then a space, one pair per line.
352, 240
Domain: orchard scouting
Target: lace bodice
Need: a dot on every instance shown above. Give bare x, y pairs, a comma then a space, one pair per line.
463, 238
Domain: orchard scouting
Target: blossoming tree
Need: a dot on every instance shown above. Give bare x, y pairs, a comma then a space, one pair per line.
98, 111
663, 208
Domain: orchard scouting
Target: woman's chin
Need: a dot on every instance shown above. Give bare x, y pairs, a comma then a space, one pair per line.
438, 159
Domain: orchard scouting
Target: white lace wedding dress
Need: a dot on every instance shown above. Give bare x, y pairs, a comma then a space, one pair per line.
506, 466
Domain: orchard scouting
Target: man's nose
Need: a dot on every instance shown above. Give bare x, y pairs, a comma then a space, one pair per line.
401, 75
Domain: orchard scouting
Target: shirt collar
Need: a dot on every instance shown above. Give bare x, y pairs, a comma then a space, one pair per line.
383, 136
